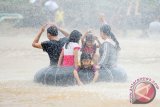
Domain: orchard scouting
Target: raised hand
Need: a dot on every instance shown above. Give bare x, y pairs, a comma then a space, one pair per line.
102, 18
43, 28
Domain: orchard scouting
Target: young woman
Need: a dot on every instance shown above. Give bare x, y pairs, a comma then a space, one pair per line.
109, 55
69, 54
86, 72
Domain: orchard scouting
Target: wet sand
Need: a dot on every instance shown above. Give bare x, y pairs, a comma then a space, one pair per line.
19, 62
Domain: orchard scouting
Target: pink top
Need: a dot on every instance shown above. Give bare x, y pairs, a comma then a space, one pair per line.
68, 58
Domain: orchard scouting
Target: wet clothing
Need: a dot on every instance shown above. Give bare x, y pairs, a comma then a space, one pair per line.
68, 58
63, 41
108, 54
89, 50
53, 48
86, 75
53, 75
108, 63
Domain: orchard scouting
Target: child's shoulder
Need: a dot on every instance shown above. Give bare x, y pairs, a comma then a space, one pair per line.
74, 44
93, 68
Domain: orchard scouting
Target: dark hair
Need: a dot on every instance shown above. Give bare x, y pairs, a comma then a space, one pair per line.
85, 56
90, 37
74, 37
107, 30
52, 30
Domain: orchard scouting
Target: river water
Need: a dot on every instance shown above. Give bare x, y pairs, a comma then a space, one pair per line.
19, 62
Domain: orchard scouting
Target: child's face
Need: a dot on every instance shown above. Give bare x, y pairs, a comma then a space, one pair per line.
86, 62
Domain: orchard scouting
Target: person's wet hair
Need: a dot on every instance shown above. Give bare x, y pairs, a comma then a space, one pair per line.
52, 30
74, 37
85, 56
106, 29
90, 37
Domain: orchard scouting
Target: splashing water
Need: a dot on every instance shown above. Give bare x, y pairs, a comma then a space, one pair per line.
19, 61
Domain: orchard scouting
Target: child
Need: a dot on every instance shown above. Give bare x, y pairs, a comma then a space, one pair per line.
86, 73
69, 54
89, 46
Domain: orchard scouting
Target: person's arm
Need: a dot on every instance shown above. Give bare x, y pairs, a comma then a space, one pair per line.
104, 55
64, 32
77, 77
93, 56
102, 19
60, 58
99, 43
96, 74
36, 43
83, 37
76, 57
85, 34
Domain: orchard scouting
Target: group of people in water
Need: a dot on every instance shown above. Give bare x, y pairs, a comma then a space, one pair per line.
65, 67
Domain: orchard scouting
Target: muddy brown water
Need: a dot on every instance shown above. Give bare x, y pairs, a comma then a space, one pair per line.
19, 62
